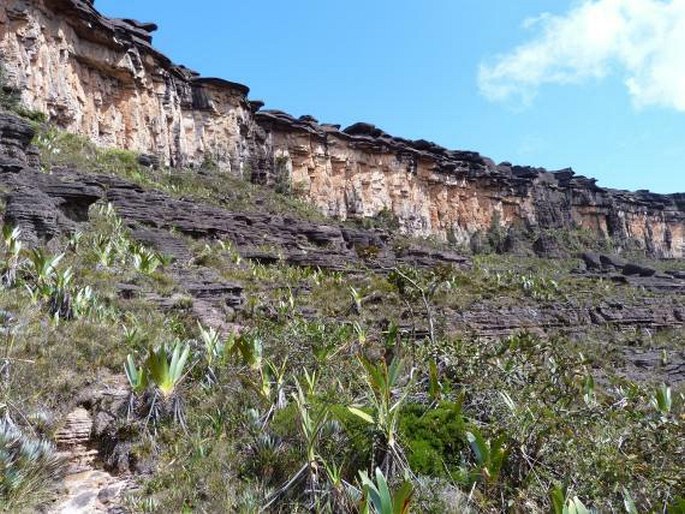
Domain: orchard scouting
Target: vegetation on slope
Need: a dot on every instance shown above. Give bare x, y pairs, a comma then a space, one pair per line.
337, 392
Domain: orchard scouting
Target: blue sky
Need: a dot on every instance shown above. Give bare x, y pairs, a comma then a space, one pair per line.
598, 85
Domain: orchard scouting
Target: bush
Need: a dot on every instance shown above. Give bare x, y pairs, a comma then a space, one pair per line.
434, 438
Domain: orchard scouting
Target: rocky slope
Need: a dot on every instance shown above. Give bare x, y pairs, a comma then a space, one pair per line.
104, 79
318, 292
47, 206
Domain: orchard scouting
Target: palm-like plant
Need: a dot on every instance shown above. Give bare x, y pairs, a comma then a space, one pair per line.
137, 376
214, 347
59, 293
662, 400
250, 349
386, 398
104, 250
145, 260
166, 371
312, 419
164, 368
378, 499
83, 301
138, 381
490, 454
43, 266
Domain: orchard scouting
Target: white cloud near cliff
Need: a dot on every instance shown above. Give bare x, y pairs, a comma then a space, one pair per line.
643, 41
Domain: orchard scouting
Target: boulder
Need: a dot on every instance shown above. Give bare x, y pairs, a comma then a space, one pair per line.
612, 261
636, 269
592, 261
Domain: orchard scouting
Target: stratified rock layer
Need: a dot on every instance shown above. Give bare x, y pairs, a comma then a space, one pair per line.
46, 205
102, 78
363, 171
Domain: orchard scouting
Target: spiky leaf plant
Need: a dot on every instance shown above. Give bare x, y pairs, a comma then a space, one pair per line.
137, 376
59, 291
43, 266
28, 466
490, 454
166, 373
662, 400
386, 396
165, 369
378, 499
13, 246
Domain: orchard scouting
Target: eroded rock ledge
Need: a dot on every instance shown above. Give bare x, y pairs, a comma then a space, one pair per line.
361, 171
103, 78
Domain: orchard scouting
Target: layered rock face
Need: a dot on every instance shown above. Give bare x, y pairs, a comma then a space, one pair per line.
362, 171
102, 78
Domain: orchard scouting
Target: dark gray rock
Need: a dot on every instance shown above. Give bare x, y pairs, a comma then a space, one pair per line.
15, 139
149, 161
612, 261
636, 269
547, 246
592, 261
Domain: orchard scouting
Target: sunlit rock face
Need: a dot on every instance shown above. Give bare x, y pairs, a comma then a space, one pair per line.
455, 195
103, 78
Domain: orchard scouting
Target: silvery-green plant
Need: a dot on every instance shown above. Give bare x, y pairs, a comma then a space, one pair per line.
166, 368
662, 400
137, 376
156, 381
28, 465
83, 301
59, 292
42, 266
214, 345
145, 260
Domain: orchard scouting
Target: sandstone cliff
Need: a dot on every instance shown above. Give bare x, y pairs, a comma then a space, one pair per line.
361, 171
102, 78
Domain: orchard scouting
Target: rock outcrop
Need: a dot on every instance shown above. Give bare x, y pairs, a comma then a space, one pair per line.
362, 171
103, 78
47, 205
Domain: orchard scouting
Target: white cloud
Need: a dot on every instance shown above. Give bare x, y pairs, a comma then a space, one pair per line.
641, 40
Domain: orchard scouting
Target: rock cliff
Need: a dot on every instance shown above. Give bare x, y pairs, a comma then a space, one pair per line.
103, 78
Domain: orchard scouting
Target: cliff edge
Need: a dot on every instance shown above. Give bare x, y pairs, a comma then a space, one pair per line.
102, 78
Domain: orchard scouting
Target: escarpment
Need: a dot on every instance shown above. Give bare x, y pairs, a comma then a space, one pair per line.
103, 78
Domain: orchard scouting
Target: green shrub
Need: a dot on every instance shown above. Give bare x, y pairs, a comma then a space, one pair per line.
434, 438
